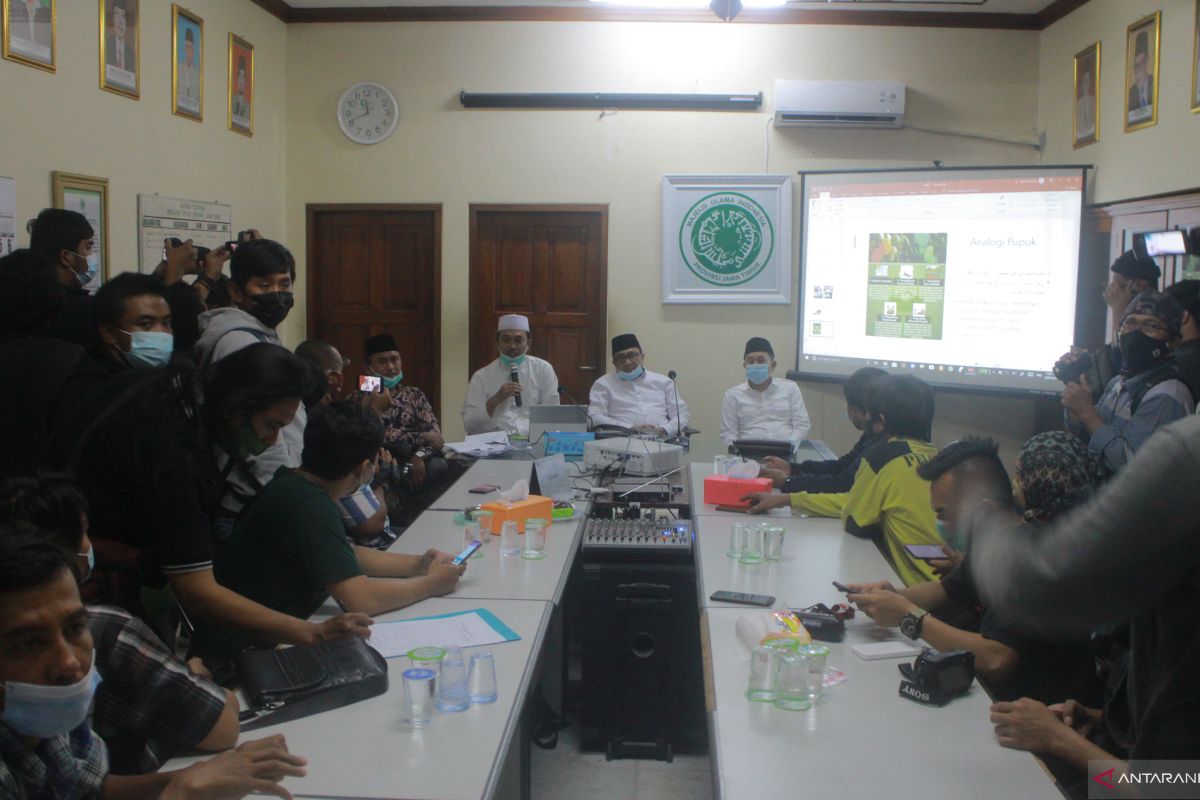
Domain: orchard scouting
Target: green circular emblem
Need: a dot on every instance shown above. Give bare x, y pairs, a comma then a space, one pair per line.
726, 239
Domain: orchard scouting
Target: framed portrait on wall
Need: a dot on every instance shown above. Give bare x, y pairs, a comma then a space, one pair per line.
1141, 72
1085, 119
89, 196
1196, 60
29, 32
120, 47
187, 64
240, 90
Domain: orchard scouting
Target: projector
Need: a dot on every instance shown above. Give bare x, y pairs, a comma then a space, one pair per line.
640, 456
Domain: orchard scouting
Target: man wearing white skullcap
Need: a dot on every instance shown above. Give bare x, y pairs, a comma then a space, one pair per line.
493, 394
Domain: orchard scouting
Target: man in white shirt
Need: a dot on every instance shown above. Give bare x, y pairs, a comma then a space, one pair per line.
634, 398
499, 395
763, 407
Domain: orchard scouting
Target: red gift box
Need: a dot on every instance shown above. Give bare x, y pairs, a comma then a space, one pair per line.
722, 490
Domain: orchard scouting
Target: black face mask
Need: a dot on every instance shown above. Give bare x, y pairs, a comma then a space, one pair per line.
1141, 352
271, 308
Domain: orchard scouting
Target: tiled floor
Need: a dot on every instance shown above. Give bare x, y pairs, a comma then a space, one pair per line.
566, 773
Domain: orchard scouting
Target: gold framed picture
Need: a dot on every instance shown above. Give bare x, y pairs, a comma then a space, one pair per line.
120, 47
88, 195
1085, 117
1141, 72
1196, 60
29, 27
187, 64
240, 87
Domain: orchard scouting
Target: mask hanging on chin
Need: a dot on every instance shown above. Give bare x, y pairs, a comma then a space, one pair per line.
43, 712
511, 361
394, 381
632, 376
271, 308
242, 442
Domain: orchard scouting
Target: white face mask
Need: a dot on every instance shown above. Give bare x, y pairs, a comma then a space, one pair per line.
42, 712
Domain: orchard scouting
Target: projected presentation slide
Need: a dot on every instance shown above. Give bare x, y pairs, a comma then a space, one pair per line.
965, 277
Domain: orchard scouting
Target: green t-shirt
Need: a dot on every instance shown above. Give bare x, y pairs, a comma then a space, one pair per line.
285, 549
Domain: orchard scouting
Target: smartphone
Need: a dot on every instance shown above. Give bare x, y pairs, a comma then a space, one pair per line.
484, 488
735, 509
764, 600
370, 383
841, 587
925, 552
467, 552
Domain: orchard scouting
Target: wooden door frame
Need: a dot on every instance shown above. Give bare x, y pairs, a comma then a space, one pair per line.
475, 209
311, 210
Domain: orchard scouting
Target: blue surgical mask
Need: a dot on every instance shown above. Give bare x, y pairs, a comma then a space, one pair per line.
632, 376
511, 362
758, 373
90, 555
149, 348
392, 383
43, 712
93, 269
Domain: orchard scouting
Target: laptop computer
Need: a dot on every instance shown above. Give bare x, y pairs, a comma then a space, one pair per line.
552, 419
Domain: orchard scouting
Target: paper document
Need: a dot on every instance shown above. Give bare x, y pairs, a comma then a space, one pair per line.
463, 628
481, 444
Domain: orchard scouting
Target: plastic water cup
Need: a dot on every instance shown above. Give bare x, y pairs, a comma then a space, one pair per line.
722, 464
535, 539
752, 545
427, 658
772, 543
452, 682
735, 540
471, 534
484, 518
791, 684
817, 655
764, 664
418, 696
510, 543
481, 678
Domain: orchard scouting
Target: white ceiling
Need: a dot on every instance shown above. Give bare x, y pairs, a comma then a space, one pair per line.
967, 6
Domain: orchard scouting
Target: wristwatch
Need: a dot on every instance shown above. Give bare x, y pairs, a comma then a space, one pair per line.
422, 453
910, 625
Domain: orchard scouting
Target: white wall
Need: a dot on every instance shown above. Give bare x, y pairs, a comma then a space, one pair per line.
1155, 160
64, 121
963, 79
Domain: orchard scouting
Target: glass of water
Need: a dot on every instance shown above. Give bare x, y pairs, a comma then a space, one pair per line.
735, 540
510, 544
764, 666
471, 534
418, 696
791, 685
752, 545
772, 542
535, 539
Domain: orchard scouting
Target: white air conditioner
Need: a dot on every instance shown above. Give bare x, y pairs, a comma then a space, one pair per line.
839, 104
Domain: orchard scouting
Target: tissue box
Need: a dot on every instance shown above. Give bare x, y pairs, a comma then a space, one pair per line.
722, 490
533, 507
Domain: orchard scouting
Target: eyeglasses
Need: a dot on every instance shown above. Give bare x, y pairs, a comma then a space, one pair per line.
1150, 327
628, 355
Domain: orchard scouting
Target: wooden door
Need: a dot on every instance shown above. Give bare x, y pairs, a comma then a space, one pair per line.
375, 269
551, 264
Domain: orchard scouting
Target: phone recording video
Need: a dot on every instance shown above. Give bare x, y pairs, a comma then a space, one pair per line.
370, 383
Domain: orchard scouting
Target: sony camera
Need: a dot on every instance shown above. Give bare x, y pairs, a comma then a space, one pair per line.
935, 679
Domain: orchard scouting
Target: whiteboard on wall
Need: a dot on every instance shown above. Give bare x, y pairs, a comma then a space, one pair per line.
207, 224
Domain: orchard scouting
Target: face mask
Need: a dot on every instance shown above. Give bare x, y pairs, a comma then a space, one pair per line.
1141, 352
90, 555
45, 711
632, 376
93, 269
511, 362
758, 373
952, 539
244, 442
271, 308
392, 383
149, 348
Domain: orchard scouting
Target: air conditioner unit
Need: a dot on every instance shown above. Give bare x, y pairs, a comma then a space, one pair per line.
839, 104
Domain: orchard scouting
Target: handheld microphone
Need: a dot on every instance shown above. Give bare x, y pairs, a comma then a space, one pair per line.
515, 378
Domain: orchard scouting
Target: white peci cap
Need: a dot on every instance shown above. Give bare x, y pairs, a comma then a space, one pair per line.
513, 322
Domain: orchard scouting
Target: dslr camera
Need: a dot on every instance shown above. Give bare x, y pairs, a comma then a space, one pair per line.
935, 679
1095, 364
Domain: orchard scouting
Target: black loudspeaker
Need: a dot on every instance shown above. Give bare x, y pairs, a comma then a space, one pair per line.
642, 687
